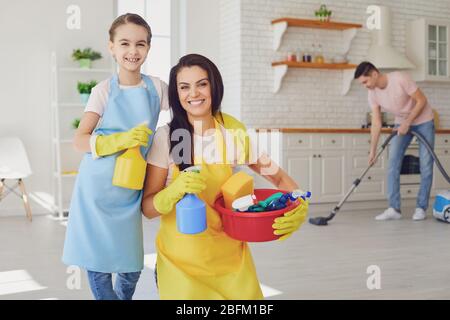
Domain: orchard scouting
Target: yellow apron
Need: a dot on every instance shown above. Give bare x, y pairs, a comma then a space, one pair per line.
208, 265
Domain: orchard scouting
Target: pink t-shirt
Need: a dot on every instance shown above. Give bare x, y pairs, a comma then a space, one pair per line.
396, 98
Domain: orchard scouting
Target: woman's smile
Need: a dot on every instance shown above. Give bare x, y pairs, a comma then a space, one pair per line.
196, 102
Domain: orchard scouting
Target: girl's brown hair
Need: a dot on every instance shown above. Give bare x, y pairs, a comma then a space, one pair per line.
129, 18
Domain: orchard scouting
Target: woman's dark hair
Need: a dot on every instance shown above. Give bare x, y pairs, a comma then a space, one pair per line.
130, 18
180, 118
365, 68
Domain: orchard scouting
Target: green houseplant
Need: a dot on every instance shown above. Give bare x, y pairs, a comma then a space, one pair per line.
323, 14
76, 123
84, 89
85, 57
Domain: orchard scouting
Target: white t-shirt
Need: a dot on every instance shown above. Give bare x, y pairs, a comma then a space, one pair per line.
204, 146
98, 100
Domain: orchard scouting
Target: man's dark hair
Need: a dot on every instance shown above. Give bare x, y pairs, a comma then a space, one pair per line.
365, 68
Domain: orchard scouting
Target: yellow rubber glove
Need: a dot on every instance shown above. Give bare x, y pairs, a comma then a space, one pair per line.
291, 221
186, 182
109, 144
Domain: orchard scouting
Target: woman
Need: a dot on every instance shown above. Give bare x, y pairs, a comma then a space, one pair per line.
209, 265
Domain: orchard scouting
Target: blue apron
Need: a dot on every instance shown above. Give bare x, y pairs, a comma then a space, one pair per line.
104, 231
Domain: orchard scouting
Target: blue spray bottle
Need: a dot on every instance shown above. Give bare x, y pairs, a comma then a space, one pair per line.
281, 202
191, 212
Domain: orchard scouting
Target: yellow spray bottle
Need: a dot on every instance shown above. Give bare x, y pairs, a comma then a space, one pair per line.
130, 169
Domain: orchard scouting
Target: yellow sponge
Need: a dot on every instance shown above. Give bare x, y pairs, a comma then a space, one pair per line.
238, 185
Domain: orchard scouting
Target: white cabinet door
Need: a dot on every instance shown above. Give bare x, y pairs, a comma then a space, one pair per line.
329, 169
437, 46
427, 46
321, 172
439, 182
373, 184
299, 166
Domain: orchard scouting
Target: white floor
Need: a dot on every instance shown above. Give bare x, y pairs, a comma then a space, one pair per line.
410, 259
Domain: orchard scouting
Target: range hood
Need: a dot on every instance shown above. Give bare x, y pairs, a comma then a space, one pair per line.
381, 53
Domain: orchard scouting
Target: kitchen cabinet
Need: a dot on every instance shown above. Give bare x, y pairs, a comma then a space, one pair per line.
427, 46
328, 163
442, 150
319, 171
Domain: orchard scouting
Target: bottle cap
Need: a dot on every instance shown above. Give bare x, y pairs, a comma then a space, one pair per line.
193, 169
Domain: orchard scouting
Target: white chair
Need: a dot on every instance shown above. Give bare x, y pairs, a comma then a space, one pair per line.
14, 165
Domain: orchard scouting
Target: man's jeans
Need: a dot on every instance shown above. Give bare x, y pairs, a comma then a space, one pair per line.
397, 150
102, 288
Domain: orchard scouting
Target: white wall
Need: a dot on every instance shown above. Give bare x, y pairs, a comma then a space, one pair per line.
200, 27
308, 98
30, 31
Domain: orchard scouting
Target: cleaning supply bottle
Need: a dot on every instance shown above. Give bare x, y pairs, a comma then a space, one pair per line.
243, 203
264, 203
191, 212
281, 202
129, 171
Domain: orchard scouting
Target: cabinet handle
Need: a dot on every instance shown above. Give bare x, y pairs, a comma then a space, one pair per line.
320, 156
369, 178
333, 141
300, 141
409, 191
446, 140
314, 156
446, 151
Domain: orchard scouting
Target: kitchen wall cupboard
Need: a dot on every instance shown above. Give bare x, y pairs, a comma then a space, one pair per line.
427, 46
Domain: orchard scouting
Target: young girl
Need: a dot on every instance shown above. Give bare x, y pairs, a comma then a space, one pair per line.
209, 265
104, 231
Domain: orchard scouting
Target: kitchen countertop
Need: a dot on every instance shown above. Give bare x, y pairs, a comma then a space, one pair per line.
337, 130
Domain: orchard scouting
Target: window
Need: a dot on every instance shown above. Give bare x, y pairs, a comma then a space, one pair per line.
158, 14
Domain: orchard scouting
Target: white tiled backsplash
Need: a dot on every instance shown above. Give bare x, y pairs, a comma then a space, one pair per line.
308, 98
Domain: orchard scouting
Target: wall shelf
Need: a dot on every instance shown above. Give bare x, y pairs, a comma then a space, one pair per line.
348, 32
65, 165
281, 68
312, 65
280, 26
307, 23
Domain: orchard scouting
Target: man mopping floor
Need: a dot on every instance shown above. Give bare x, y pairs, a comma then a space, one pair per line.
397, 93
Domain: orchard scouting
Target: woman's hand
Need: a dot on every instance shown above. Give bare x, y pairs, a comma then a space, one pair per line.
186, 182
291, 220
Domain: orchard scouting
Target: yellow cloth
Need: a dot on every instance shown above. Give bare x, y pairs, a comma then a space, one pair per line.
208, 265
241, 138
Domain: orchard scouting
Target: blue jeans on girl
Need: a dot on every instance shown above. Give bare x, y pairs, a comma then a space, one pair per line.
102, 288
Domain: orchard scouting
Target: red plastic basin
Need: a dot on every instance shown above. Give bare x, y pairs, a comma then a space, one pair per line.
251, 226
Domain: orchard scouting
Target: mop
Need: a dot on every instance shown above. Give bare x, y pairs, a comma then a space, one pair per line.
323, 221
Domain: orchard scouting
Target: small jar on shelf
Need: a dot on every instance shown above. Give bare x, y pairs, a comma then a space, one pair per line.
319, 55
306, 56
292, 57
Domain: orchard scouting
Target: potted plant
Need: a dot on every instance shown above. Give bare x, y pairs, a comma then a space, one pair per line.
76, 123
85, 57
323, 14
84, 88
